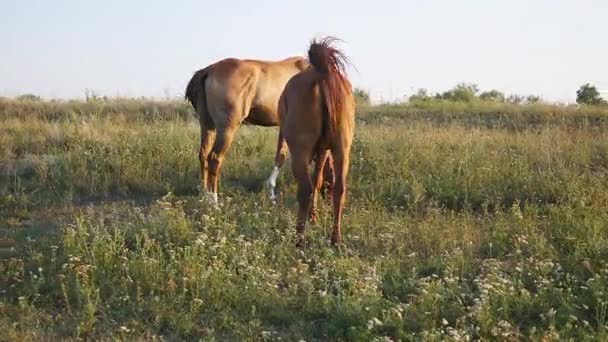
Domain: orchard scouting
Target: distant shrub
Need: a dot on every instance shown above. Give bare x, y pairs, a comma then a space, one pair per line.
492, 95
421, 95
533, 99
588, 94
361, 97
28, 97
462, 92
515, 99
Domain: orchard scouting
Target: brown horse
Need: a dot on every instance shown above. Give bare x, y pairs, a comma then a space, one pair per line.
226, 94
317, 119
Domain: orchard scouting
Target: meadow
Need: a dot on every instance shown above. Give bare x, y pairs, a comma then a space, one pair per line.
464, 221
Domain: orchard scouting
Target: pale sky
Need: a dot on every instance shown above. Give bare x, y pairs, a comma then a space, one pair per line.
151, 48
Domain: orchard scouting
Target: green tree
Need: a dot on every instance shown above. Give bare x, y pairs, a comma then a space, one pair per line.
28, 97
492, 95
588, 94
361, 97
462, 92
421, 95
533, 99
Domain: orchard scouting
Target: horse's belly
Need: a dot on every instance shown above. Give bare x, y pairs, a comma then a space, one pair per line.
262, 118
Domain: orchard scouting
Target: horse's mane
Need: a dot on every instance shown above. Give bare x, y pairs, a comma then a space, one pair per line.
331, 64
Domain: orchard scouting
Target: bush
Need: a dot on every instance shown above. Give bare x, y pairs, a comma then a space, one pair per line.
361, 97
463, 92
28, 97
492, 95
588, 94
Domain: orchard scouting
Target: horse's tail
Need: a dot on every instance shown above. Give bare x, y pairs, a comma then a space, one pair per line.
195, 91
330, 63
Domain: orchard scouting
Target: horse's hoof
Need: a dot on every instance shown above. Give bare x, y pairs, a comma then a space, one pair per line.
301, 243
272, 197
313, 218
336, 240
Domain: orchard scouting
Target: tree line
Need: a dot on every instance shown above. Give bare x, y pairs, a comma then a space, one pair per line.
587, 94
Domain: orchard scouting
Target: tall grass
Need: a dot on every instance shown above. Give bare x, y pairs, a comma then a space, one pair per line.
67, 110
489, 114
477, 113
462, 222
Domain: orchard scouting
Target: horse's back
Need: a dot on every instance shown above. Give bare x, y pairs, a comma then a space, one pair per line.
233, 70
229, 74
252, 86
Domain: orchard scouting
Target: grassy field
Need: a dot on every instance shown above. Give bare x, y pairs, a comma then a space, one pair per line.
463, 221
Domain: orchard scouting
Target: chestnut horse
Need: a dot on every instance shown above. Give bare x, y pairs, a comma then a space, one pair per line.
317, 120
226, 94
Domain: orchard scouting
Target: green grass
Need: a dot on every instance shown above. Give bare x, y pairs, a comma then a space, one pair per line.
476, 221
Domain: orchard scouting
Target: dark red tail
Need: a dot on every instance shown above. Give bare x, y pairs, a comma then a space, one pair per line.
331, 64
196, 86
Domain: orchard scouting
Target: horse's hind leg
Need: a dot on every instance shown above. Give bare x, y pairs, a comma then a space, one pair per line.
320, 169
207, 138
341, 162
223, 140
327, 186
279, 159
299, 165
